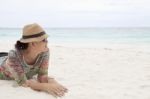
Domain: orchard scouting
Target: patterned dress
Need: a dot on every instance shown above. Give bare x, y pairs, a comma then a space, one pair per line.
13, 67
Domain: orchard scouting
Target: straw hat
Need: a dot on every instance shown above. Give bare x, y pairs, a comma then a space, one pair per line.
33, 33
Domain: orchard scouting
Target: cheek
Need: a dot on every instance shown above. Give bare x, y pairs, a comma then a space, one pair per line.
42, 46
39, 46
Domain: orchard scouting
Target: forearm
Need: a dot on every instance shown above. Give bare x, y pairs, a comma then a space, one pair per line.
37, 85
52, 88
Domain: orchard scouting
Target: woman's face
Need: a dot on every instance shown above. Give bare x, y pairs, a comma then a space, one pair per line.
40, 46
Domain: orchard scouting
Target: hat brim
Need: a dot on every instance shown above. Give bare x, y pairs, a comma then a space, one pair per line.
37, 39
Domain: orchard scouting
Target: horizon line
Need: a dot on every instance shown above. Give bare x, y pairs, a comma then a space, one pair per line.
80, 27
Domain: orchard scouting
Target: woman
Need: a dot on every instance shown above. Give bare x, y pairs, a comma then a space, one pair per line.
30, 57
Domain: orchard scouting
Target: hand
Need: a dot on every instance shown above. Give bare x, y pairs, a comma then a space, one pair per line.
55, 89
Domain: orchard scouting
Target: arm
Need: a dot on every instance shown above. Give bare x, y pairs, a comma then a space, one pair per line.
46, 83
43, 71
52, 88
35, 85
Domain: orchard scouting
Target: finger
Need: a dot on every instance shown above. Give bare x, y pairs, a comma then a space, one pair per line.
64, 89
53, 94
59, 92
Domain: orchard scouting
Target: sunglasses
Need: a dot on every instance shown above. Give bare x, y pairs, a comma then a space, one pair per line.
44, 40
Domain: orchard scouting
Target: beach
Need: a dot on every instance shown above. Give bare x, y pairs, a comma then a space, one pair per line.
104, 72
99, 49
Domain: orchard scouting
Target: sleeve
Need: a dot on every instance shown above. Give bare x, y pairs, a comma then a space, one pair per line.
43, 71
15, 68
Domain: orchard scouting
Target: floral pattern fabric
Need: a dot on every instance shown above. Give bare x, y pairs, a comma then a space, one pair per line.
13, 67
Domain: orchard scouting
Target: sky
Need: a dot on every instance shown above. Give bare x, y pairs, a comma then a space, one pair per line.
75, 13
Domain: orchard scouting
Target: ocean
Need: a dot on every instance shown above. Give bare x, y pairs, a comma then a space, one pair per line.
86, 36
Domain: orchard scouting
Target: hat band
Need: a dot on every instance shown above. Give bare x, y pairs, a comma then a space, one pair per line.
34, 36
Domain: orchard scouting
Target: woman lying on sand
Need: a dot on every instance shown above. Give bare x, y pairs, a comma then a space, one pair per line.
30, 57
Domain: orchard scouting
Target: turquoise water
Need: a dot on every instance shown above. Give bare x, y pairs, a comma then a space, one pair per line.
87, 35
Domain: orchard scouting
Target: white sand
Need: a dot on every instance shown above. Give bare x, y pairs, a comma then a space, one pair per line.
106, 72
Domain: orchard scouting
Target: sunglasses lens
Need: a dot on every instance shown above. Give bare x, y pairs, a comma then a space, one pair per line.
45, 40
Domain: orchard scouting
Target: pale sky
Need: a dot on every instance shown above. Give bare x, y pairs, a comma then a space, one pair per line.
75, 13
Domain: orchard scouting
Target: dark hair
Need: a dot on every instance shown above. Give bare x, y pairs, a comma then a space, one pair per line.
21, 46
